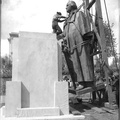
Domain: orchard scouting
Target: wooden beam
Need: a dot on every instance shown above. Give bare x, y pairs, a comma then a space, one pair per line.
86, 2
91, 4
97, 109
103, 46
0, 44
87, 89
90, 89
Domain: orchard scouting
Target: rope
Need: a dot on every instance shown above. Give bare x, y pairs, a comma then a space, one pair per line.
79, 44
86, 42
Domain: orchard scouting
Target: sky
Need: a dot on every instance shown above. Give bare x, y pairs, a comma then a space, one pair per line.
36, 16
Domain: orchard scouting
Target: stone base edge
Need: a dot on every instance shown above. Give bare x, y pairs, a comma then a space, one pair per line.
38, 112
62, 117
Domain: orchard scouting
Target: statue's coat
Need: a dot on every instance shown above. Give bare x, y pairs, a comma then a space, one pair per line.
82, 62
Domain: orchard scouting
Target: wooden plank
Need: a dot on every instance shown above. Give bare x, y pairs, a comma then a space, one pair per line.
90, 89
110, 106
87, 90
74, 111
109, 110
99, 110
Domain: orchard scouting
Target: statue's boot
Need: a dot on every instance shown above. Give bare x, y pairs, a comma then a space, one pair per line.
79, 87
83, 85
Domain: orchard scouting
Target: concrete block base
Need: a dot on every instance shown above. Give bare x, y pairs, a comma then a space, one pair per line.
2, 101
38, 112
61, 97
60, 117
13, 98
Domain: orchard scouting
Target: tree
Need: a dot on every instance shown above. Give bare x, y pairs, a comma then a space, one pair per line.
6, 73
6, 67
110, 39
113, 65
111, 43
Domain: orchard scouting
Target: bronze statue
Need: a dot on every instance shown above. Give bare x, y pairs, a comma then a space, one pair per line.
77, 55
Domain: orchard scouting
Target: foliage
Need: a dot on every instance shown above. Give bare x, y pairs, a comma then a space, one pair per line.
6, 62
113, 65
111, 43
110, 39
6, 68
6, 73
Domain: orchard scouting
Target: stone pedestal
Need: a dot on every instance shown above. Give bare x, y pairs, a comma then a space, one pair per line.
36, 89
13, 98
37, 64
38, 112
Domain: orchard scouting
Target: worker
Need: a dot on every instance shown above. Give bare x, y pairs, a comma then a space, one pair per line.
57, 18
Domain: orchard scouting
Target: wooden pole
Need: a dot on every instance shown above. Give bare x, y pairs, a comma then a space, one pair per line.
0, 53
86, 3
103, 48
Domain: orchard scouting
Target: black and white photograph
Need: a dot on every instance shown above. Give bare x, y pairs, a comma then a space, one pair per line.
59, 59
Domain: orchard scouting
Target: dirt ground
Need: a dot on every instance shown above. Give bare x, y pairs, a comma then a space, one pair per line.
94, 111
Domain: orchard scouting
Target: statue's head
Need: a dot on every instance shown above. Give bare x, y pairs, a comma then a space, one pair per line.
71, 5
